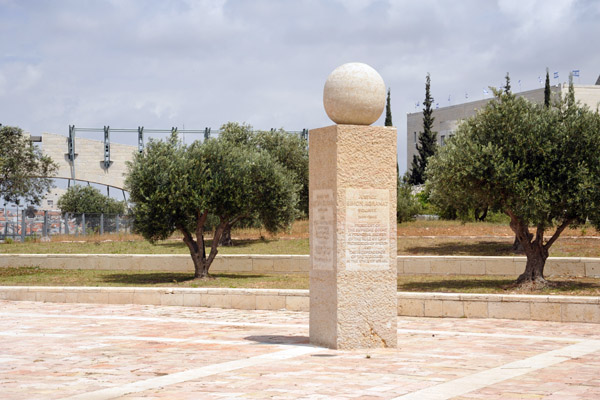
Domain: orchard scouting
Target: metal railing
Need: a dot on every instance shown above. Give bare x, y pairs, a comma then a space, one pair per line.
18, 226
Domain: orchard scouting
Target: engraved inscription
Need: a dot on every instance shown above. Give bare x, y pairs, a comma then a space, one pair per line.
367, 229
321, 219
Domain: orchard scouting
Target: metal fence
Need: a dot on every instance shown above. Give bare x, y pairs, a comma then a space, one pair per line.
17, 225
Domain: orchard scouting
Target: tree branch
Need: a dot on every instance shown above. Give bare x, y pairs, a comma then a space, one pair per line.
188, 239
235, 219
216, 240
556, 234
201, 220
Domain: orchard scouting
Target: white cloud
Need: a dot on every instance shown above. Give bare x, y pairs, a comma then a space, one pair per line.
202, 63
539, 14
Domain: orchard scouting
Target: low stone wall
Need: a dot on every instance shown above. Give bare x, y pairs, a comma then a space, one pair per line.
456, 305
478, 265
521, 307
251, 263
244, 299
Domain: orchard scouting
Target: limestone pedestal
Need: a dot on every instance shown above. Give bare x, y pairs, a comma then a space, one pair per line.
353, 276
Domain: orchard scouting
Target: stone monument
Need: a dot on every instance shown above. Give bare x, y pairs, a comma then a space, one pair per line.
352, 185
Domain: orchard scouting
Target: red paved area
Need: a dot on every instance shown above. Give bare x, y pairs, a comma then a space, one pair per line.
88, 351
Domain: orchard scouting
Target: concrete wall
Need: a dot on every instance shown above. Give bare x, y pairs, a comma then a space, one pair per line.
89, 163
293, 264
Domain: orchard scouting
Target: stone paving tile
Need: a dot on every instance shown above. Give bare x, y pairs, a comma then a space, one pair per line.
572, 379
54, 350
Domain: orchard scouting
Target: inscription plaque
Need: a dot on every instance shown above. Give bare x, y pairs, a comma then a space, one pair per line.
367, 229
321, 218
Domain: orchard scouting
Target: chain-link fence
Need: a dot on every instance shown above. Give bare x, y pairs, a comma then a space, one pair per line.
18, 224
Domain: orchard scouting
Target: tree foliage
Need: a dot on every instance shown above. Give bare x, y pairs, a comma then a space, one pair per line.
507, 88
176, 187
25, 173
89, 200
427, 140
547, 89
539, 165
407, 205
290, 150
388, 110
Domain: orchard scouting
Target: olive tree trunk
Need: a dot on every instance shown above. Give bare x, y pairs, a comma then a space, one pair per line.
226, 237
534, 268
197, 246
535, 249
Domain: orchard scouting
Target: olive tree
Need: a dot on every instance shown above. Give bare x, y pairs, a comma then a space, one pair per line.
175, 187
290, 150
407, 205
539, 165
87, 199
25, 173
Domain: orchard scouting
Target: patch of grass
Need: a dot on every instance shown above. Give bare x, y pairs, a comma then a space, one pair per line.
564, 247
245, 246
496, 285
414, 238
34, 276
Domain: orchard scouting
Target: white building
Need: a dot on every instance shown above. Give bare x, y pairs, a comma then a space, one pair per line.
448, 118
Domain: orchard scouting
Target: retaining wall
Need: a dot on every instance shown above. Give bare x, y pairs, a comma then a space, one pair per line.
457, 305
436, 265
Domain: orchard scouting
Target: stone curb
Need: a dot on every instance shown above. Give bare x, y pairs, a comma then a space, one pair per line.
455, 305
291, 264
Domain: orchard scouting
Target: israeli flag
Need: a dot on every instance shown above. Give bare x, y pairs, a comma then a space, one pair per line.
576, 73
417, 104
437, 105
556, 75
466, 95
485, 91
540, 79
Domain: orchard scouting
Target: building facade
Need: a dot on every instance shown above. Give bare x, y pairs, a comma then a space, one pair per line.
448, 118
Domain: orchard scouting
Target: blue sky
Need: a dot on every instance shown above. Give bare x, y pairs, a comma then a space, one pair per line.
194, 64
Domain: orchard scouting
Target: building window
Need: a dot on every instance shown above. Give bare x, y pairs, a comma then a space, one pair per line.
443, 140
415, 135
50, 203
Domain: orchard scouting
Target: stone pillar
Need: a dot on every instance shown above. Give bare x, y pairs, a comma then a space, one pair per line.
353, 277
352, 200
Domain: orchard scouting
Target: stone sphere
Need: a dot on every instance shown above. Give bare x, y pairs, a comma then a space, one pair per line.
354, 94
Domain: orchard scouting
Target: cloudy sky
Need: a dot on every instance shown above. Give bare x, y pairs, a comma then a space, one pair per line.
195, 64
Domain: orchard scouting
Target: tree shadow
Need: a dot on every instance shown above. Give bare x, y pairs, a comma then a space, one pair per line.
571, 285
171, 245
442, 285
241, 243
149, 278
167, 277
492, 285
279, 339
480, 248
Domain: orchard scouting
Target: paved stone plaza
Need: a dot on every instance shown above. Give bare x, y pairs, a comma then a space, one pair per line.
86, 351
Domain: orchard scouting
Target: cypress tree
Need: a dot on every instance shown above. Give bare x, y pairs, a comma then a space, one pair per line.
571, 93
547, 89
388, 111
427, 140
507, 85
